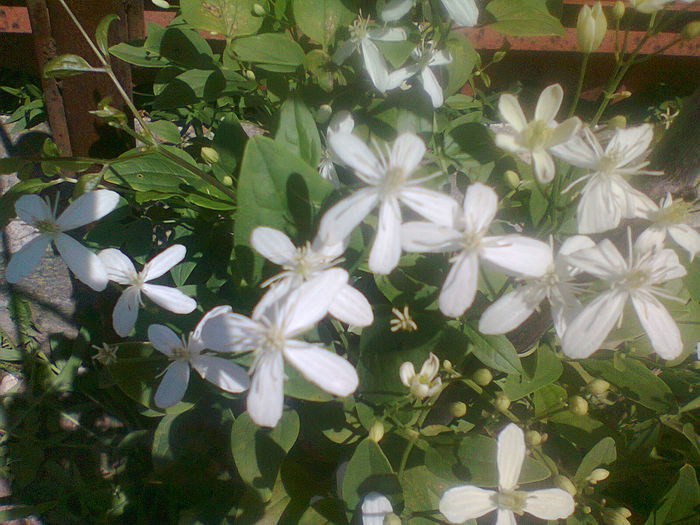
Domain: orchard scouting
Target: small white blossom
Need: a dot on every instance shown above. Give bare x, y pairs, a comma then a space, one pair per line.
672, 218
188, 352
375, 507
341, 122
426, 383
467, 502
121, 270
36, 212
426, 58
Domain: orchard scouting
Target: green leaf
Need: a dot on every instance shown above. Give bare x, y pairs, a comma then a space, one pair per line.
680, 505
87, 182
186, 48
259, 452
151, 171
524, 18
464, 59
603, 453
176, 89
495, 351
271, 51
263, 187
472, 139
231, 18
422, 489
298, 387
64, 66
320, 19
298, 132
138, 55
548, 369
165, 131
10, 165
549, 400
102, 32
368, 470
636, 381
229, 142
478, 454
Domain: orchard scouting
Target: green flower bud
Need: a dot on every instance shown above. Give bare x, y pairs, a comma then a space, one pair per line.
482, 376
618, 10
458, 409
585, 509
209, 155
512, 179
249, 74
227, 180
376, 433
447, 364
161, 3
259, 10
597, 475
498, 56
502, 403
598, 386
412, 434
691, 30
565, 484
391, 519
618, 122
533, 438
578, 405
591, 27
324, 113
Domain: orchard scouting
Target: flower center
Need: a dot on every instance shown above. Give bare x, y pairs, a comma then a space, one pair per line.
181, 352
609, 162
513, 500
676, 213
471, 240
47, 227
637, 278
537, 135
394, 180
273, 340
358, 29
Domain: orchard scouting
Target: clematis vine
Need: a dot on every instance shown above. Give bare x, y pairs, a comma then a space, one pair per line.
539, 135
637, 279
672, 218
89, 207
607, 197
121, 270
186, 353
389, 183
303, 263
467, 235
270, 336
467, 502
557, 285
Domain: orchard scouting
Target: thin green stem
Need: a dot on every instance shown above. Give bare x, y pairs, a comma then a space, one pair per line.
412, 441
579, 85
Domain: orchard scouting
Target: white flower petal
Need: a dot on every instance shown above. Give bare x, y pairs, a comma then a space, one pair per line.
374, 507
517, 255
578, 152
463, 12
169, 298
119, 267
126, 311
511, 310
564, 131
549, 103
344, 52
375, 64
87, 208
407, 152
586, 333
686, 237
343, 217
267, 304
221, 372
440, 58
512, 113
341, 122
351, 307
32, 209
406, 373
550, 504
173, 386
386, 249
603, 261
354, 153
429, 237
435, 206
266, 394
388, 34
575, 243
163, 262
164, 339
458, 292
460, 504
658, 324
25, 260
272, 244
308, 304
480, 206
86, 266
196, 335
510, 456
399, 76
432, 87
598, 210
394, 10
631, 143
544, 166
230, 332
323, 368
505, 517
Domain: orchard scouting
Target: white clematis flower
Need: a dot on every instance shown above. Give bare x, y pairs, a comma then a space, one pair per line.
121, 270
427, 58
468, 235
637, 280
511, 310
304, 263
539, 135
672, 218
341, 122
607, 197
389, 183
185, 353
362, 38
270, 335
464, 13
650, 6
426, 383
37, 212
375, 507
467, 502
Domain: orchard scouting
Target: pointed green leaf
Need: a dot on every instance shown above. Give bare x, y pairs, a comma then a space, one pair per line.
231, 18
320, 19
102, 33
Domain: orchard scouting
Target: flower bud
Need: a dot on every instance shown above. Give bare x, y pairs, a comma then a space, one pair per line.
458, 409
578, 405
597, 475
616, 516
502, 402
482, 376
391, 519
618, 122
227, 180
259, 10
598, 386
618, 10
376, 433
691, 30
591, 27
412, 434
585, 509
249, 74
323, 113
533, 438
565, 484
512, 179
498, 56
209, 155
447, 364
